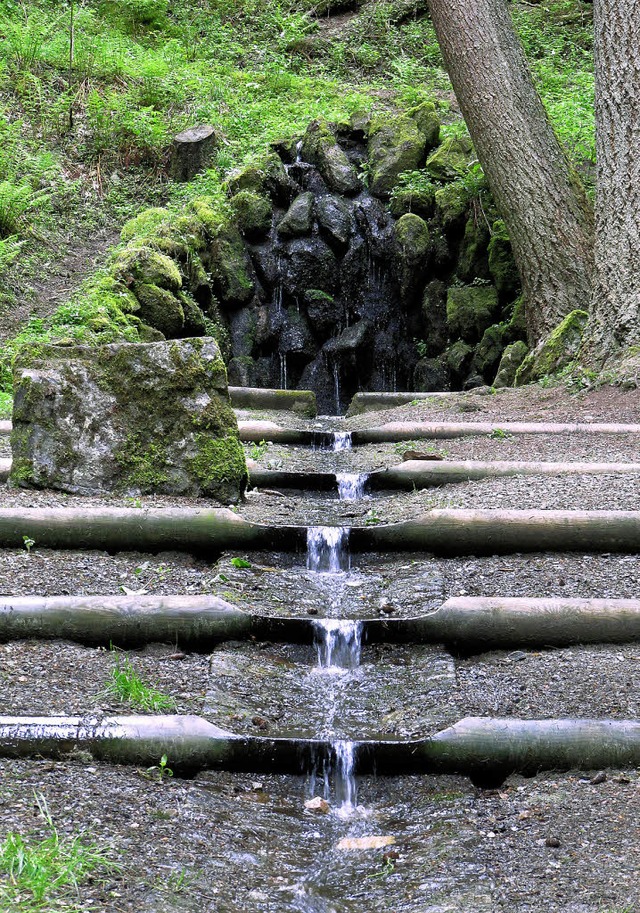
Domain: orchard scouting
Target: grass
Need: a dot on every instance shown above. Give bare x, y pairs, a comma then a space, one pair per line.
47, 874
127, 686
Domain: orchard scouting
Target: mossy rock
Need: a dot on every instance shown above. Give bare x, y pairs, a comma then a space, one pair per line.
253, 213
431, 375
470, 311
230, 268
517, 320
473, 262
452, 203
145, 224
434, 317
426, 117
555, 352
266, 177
512, 358
413, 238
159, 308
194, 320
450, 160
502, 266
458, 358
489, 350
421, 202
144, 265
320, 148
395, 144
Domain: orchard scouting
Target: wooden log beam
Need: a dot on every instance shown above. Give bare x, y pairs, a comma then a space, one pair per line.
493, 532
395, 432
302, 402
190, 621
208, 530
425, 473
254, 432
376, 402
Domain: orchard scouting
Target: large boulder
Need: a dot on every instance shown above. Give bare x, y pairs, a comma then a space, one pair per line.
335, 219
253, 213
512, 358
450, 160
128, 418
298, 220
555, 352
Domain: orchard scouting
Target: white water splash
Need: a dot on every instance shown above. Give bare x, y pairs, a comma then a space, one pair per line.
338, 643
351, 485
342, 440
328, 549
346, 788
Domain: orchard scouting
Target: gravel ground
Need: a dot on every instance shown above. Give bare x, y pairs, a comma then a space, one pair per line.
225, 842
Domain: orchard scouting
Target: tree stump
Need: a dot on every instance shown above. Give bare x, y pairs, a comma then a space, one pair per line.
191, 152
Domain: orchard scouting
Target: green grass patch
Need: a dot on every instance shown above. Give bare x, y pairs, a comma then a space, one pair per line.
47, 874
127, 686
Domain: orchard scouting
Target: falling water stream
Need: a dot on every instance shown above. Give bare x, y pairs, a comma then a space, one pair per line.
351, 485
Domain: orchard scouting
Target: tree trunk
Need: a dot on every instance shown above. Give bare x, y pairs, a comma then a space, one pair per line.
615, 310
541, 200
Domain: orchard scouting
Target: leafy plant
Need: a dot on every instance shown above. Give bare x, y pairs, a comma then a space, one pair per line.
160, 771
28, 543
257, 451
126, 685
38, 874
240, 562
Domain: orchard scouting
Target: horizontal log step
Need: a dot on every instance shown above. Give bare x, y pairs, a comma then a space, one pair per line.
395, 432
486, 749
212, 530
302, 402
375, 402
427, 474
468, 624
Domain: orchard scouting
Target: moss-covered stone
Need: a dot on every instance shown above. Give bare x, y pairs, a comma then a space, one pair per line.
127, 418
473, 261
512, 358
517, 320
555, 352
501, 263
450, 160
421, 202
470, 311
144, 224
426, 117
265, 177
320, 148
489, 350
230, 268
253, 213
395, 144
413, 244
452, 202
160, 308
194, 320
144, 265
458, 358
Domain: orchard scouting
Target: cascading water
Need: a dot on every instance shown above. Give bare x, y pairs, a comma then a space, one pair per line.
342, 441
283, 371
346, 788
328, 549
338, 643
351, 485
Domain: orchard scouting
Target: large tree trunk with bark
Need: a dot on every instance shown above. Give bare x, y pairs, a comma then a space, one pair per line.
541, 200
615, 311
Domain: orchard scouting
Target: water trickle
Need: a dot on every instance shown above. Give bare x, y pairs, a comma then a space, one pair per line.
346, 788
351, 485
342, 440
338, 643
328, 549
283, 371
336, 386
298, 152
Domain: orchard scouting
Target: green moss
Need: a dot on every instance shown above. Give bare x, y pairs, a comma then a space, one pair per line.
230, 268
470, 311
556, 352
501, 263
253, 213
428, 122
140, 263
320, 148
219, 461
144, 464
413, 238
512, 358
265, 176
450, 160
160, 309
489, 350
473, 262
396, 144
144, 224
452, 202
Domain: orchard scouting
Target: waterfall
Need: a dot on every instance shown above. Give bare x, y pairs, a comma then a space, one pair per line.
338, 643
351, 485
328, 549
342, 440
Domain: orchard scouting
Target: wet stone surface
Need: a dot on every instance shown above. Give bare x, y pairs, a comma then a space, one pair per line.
280, 690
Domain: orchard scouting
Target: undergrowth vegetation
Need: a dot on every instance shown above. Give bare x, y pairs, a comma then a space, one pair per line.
92, 92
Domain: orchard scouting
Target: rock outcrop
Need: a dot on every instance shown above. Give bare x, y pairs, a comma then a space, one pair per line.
127, 418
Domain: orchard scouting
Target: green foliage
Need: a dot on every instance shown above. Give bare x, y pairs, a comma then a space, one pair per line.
240, 562
125, 684
41, 875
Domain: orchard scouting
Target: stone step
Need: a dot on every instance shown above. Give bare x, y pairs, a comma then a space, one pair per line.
468, 624
486, 749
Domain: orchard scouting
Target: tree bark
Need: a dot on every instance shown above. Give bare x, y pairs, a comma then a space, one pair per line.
544, 207
615, 309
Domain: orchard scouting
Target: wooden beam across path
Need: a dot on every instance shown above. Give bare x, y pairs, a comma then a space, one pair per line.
396, 432
301, 402
488, 750
378, 401
213, 530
